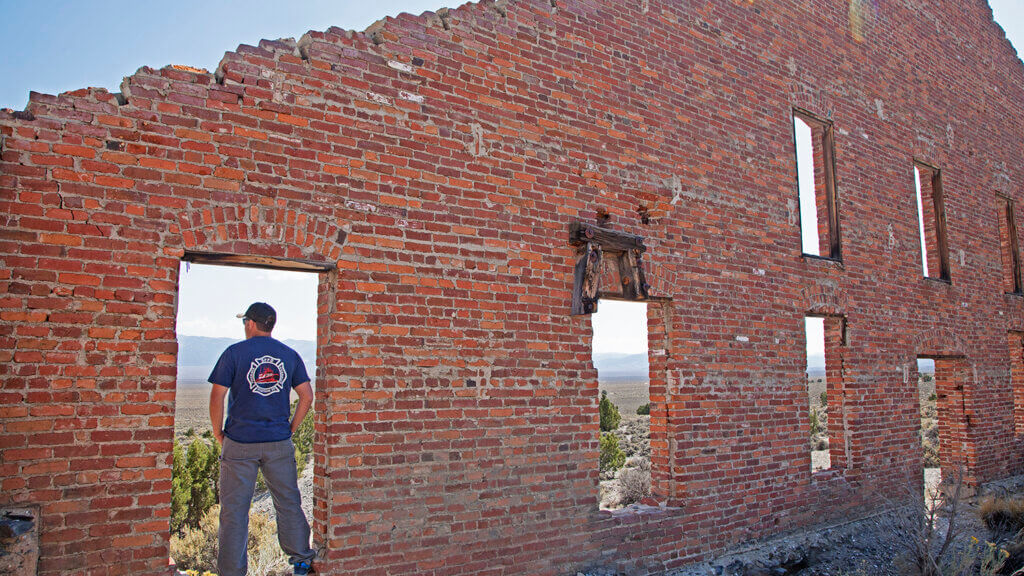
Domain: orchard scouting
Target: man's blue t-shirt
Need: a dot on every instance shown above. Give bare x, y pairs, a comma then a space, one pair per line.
260, 372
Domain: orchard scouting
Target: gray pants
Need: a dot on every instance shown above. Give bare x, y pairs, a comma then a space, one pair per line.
238, 466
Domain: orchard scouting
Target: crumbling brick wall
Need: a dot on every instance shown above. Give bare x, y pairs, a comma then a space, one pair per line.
437, 161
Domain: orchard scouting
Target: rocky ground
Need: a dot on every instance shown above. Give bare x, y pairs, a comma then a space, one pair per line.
869, 547
874, 546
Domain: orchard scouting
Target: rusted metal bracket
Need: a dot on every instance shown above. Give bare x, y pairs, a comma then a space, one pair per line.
594, 243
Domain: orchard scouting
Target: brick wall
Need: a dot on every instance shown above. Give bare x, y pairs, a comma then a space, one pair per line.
437, 161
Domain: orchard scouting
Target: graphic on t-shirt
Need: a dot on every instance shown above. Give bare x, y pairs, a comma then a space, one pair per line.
266, 375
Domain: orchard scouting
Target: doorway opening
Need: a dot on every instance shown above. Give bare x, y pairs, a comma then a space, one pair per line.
944, 419
826, 391
929, 433
210, 297
620, 354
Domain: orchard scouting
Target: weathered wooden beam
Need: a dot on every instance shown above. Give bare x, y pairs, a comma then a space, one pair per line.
628, 276
626, 251
642, 286
586, 280
249, 261
610, 240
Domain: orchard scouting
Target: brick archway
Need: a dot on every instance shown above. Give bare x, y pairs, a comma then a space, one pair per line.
938, 344
277, 230
824, 300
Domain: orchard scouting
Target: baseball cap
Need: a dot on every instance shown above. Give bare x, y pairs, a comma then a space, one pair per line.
260, 312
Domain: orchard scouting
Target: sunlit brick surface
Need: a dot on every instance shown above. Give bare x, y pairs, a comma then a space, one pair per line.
438, 161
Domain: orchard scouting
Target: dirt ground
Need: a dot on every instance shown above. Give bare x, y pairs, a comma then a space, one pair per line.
191, 407
627, 394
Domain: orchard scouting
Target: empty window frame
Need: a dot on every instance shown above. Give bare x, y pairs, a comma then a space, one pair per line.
815, 166
931, 219
826, 391
1008, 246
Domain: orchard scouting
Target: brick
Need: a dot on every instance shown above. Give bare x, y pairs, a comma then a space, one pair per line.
72, 150
454, 379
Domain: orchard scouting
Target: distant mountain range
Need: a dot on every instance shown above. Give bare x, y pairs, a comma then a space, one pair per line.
616, 365
816, 366
612, 365
198, 354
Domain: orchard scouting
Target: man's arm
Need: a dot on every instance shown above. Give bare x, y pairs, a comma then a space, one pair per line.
217, 394
305, 392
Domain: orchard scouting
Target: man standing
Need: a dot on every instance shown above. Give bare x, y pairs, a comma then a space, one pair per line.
259, 373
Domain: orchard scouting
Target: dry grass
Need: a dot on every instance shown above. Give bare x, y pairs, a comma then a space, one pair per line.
1002, 514
196, 549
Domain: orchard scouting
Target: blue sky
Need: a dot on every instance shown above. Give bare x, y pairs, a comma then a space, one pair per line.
55, 46
210, 297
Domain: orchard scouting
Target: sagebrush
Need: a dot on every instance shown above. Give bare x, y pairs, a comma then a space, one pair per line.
195, 549
634, 485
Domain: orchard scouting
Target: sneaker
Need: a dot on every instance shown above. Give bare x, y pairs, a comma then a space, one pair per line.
303, 568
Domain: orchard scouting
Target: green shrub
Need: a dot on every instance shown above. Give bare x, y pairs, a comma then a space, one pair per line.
815, 423
610, 416
194, 477
644, 410
612, 457
181, 488
303, 440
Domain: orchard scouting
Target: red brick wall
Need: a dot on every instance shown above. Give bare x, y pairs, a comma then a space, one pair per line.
438, 161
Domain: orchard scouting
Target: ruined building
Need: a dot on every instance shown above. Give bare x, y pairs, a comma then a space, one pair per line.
444, 175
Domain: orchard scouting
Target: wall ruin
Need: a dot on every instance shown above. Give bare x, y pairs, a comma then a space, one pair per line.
437, 162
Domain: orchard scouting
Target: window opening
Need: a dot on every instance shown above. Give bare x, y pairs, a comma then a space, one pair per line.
1008, 246
209, 298
815, 162
931, 222
620, 354
825, 390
